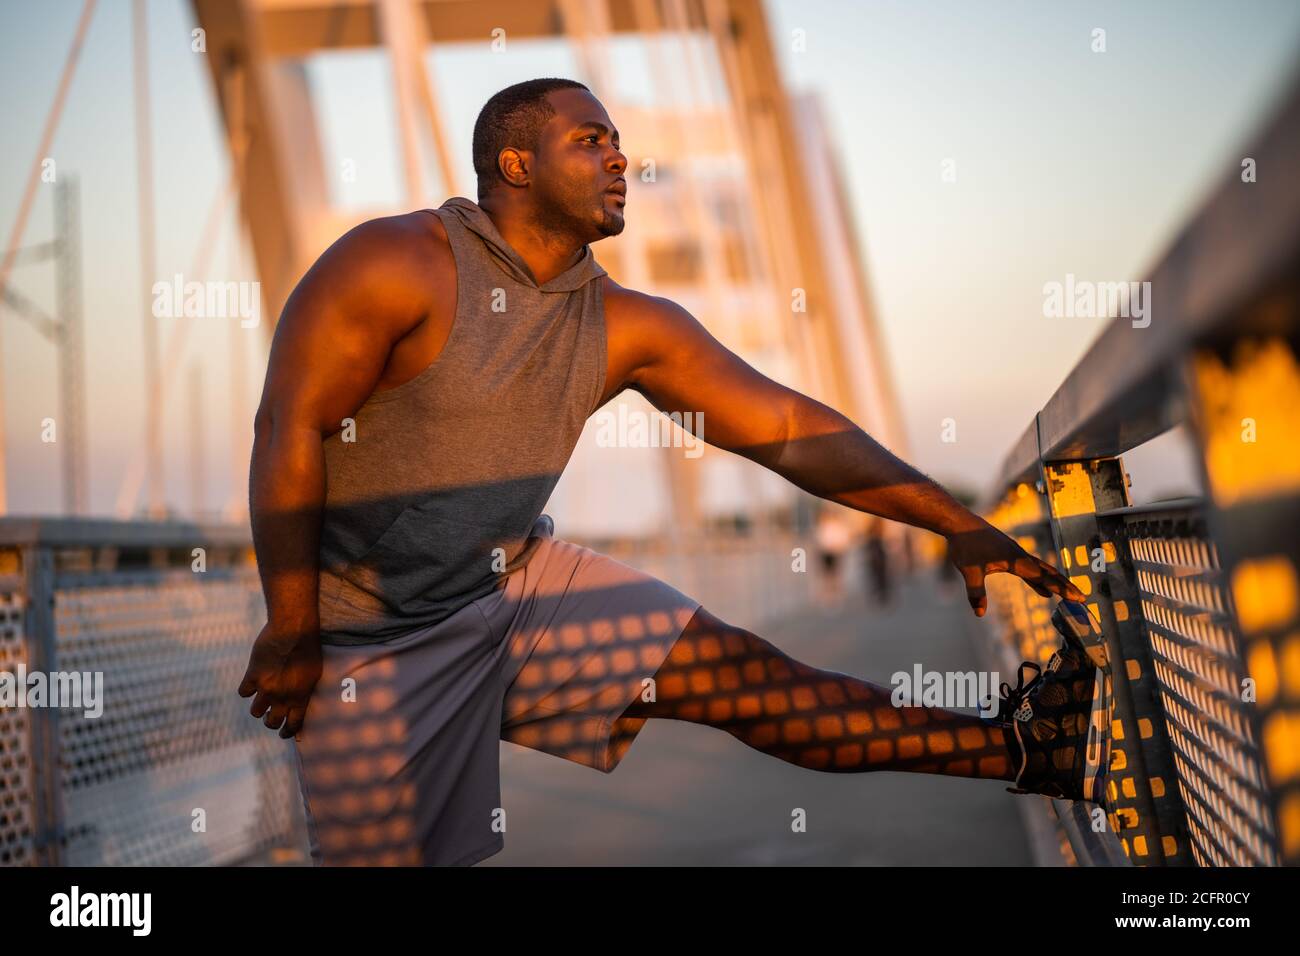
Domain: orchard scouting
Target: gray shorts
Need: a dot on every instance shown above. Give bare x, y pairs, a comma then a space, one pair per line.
399, 756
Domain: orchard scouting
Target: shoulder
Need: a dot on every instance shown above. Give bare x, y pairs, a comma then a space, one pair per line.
638, 311
392, 264
649, 323
410, 241
646, 331
387, 273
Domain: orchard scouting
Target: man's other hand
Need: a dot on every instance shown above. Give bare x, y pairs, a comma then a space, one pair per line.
283, 668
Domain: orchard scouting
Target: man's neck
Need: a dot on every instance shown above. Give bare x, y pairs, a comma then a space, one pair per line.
546, 253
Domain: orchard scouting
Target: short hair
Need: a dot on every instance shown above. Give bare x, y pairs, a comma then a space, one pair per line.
513, 117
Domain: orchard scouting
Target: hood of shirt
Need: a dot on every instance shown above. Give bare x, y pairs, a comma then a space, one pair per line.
511, 263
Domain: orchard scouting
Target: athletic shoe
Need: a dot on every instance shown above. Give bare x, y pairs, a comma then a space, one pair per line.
1057, 726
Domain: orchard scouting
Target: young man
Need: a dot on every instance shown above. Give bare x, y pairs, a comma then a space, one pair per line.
428, 380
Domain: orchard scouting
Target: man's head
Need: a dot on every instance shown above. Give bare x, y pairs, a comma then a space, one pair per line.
547, 149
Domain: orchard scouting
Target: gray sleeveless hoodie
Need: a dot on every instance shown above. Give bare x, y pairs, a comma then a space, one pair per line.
431, 504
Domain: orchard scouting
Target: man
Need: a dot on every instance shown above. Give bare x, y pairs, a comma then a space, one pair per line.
428, 380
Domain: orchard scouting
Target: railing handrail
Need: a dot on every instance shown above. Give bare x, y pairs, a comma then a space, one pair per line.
63, 531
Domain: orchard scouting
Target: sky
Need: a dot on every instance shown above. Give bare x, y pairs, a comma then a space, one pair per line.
1066, 161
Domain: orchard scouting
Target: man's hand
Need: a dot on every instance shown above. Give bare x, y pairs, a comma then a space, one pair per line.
986, 550
282, 670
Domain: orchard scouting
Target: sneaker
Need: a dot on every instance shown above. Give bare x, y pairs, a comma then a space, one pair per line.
1058, 724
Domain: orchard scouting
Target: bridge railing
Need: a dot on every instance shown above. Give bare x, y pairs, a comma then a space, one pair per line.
1199, 598
174, 771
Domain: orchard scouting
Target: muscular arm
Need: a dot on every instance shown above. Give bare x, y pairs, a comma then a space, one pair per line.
330, 347
664, 353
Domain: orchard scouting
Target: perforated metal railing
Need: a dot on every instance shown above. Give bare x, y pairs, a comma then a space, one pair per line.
174, 738
1199, 598
163, 765
1188, 618
17, 789
174, 771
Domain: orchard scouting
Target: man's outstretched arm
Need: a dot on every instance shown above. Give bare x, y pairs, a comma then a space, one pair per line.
678, 366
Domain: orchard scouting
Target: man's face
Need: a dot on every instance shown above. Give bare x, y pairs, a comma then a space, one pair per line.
577, 163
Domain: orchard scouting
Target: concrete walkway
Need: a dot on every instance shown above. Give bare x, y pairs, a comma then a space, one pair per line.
690, 795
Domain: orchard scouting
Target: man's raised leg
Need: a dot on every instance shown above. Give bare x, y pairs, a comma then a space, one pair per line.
729, 678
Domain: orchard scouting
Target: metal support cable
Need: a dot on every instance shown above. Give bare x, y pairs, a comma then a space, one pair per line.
144, 194
29, 195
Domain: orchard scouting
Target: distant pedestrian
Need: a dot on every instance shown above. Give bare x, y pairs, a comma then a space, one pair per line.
833, 541
876, 563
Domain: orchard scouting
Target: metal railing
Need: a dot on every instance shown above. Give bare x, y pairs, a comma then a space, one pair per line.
166, 612
1199, 598
172, 770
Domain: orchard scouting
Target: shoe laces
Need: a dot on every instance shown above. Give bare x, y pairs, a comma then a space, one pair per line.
1015, 696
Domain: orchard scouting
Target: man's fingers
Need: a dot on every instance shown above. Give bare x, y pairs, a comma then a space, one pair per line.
1059, 584
260, 704
1030, 570
973, 575
247, 686
1045, 579
293, 723
275, 716
1041, 590
993, 567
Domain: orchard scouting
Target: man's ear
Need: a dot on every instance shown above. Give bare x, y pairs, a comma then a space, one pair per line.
515, 165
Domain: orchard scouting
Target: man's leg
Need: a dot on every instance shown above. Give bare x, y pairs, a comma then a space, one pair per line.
731, 679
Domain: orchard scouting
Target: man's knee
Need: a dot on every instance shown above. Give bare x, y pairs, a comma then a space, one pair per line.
712, 658
707, 639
